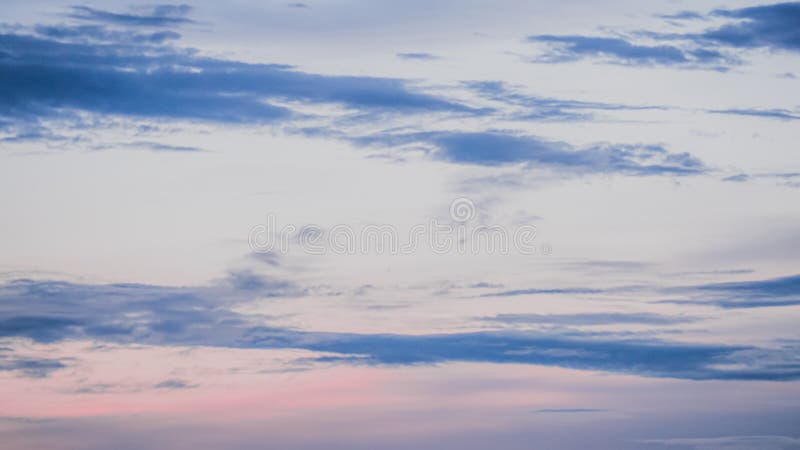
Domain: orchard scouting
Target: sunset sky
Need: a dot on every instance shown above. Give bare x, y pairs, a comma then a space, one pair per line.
341, 224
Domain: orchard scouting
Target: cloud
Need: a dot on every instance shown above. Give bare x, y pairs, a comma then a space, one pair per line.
496, 148
682, 15
544, 108
772, 27
589, 319
774, 292
783, 114
766, 26
573, 47
418, 56
28, 366
43, 77
785, 178
150, 145
100, 33
173, 384
37, 328
783, 291
51, 311
156, 16
645, 358
738, 178
62, 74
569, 411
732, 443
539, 291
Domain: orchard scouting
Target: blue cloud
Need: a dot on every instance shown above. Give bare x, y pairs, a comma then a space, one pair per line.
682, 15
418, 56
738, 178
174, 384
569, 410
153, 315
156, 16
785, 178
535, 291
42, 77
782, 114
569, 48
544, 108
100, 33
738, 442
775, 26
496, 148
784, 291
27, 366
37, 328
650, 358
588, 319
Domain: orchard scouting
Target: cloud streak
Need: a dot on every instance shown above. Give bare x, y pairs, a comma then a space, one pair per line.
48, 311
165, 15
772, 27
496, 148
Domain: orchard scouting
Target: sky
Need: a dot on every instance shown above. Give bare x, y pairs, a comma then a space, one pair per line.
427, 224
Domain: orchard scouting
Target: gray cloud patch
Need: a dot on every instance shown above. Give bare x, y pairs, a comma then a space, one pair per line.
28, 366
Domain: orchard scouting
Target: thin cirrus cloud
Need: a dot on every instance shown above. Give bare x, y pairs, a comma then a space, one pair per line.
155, 16
772, 27
775, 292
590, 319
731, 443
531, 107
51, 311
569, 410
101, 33
574, 47
788, 179
539, 291
418, 56
783, 114
782, 291
173, 384
497, 148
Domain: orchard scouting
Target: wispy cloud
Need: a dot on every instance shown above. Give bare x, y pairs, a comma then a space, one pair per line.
772, 27
497, 148
156, 16
574, 47
531, 107
48, 311
783, 114
584, 319
418, 56
46, 77
28, 366
173, 384
731, 443
569, 411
